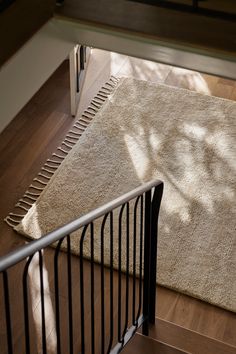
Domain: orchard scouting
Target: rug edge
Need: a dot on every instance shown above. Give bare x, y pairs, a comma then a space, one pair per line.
51, 165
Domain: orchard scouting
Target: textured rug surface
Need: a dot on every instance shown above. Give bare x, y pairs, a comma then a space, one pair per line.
145, 131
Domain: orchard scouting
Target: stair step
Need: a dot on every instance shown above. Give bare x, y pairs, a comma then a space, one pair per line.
140, 344
188, 340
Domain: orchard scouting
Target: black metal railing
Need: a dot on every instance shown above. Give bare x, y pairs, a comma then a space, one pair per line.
55, 302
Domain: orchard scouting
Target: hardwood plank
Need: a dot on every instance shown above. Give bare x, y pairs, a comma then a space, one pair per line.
196, 315
223, 90
141, 344
188, 340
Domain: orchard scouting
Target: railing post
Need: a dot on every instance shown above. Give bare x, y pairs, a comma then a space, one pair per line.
146, 272
155, 208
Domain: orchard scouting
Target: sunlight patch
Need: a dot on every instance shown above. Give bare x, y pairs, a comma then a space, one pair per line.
154, 140
194, 131
224, 145
27, 222
138, 156
35, 288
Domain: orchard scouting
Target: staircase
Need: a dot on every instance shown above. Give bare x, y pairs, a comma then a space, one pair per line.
169, 338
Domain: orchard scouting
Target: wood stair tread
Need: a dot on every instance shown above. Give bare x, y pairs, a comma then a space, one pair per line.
146, 345
169, 338
188, 340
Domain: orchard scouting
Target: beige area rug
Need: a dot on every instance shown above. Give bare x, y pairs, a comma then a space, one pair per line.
143, 131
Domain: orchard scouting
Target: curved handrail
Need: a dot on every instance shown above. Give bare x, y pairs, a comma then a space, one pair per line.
25, 251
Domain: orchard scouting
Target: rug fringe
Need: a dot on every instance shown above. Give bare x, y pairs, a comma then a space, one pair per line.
52, 164
11, 222
53, 161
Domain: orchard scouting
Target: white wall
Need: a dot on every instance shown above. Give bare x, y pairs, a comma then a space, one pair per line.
29, 68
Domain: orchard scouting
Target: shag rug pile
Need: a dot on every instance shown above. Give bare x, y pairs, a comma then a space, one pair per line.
140, 131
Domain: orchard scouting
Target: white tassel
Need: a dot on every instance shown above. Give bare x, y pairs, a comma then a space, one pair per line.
44, 176
85, 116
48, 171
33, 194
31, 198
49, 166
92, 109
11, 222
62, 150
39, 181
17, 215
25, 202
52, 161
60, 157
18, 205
67, 145
102, 96
75, 133
87, 112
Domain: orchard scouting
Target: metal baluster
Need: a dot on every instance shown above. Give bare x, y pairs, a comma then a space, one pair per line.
140, 258
70, 311
92, 289
44, 343
26, 312
146, 280
119, 271
134, 259
156, 202
111, 283
57, 303
102, 287
7, 311
127, 272
82, 289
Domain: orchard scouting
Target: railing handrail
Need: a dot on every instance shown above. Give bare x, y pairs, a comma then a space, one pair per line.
29, 249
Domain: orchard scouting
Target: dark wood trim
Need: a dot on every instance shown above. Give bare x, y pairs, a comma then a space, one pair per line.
19, 22
196, 32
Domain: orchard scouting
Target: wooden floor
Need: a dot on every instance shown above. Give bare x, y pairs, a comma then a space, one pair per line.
39, 128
